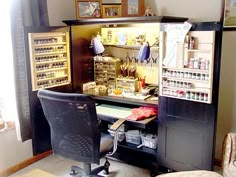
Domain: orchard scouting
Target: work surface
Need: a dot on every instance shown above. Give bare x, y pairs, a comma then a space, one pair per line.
105, 111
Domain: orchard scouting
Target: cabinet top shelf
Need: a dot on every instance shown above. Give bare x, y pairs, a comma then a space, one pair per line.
141, 19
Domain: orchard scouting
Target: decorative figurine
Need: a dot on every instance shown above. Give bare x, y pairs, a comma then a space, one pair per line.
149, 12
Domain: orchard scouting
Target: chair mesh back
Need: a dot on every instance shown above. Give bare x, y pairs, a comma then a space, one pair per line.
73, 124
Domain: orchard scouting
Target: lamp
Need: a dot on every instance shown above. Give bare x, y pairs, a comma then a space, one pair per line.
97, 45
144, 52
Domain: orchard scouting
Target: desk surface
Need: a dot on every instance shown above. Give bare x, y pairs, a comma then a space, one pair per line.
125, 100
119, 112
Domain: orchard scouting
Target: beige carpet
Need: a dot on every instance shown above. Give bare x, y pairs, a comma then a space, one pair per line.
57, 166
37, 173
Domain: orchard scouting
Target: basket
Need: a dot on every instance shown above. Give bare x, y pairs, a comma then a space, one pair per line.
149, 141
133, 136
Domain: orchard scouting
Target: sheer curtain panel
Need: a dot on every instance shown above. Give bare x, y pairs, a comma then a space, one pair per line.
24, 13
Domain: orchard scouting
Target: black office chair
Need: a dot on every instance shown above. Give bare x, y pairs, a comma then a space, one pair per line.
75, 132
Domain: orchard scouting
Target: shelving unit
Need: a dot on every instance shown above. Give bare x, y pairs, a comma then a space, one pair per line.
49, 59
192, 76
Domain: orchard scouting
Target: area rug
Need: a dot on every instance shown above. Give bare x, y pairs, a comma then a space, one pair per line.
37, 173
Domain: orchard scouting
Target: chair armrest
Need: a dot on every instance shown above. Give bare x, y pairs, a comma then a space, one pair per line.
229, 155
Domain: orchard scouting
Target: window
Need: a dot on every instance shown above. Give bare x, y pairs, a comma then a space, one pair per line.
8, 111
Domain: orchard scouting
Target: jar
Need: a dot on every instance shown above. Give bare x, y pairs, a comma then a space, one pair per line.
203, 64
185, 75
191, 63
191, 43
205, 97
196, 64
202, 76
188, 95
193, 95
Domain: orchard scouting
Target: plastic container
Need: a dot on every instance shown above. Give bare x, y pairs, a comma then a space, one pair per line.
149, 140
121, 135
133, 136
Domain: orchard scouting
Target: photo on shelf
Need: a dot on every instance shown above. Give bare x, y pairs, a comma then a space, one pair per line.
88, 9
230, 13
132, 7
111, 11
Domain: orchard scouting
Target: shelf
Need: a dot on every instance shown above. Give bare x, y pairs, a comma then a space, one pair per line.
134, 147
49, 44
51, 61
51, 78
201, 90
185, 79
183, 98
130, 47
200, 71
49, 53
125, 20
200, 51
53, 69
55, 85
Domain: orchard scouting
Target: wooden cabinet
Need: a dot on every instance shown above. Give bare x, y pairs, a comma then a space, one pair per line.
185, 127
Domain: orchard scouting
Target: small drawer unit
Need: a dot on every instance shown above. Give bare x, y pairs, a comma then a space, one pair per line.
126, 84
106, 70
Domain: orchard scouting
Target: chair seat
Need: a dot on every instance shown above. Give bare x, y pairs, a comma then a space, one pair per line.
197, 173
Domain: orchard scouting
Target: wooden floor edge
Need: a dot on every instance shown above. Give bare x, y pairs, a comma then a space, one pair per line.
218, 162
24, 164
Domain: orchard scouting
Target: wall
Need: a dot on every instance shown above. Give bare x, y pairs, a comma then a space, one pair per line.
59, 10
227, 96
13, 151
195, 10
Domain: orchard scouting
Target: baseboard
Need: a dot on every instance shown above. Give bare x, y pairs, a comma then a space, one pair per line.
24, 164
218, 162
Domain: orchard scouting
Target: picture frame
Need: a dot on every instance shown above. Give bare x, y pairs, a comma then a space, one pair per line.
111, 10
88, 9
133, 8
230, 14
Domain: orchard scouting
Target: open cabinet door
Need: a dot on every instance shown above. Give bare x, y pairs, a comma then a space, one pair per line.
187, 121
48, 67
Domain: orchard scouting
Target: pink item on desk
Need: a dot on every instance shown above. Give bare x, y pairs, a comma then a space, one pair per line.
142, 113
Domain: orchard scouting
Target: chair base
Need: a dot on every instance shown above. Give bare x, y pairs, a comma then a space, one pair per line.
87, 172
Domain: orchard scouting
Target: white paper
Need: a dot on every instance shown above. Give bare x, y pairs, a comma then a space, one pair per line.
175, 34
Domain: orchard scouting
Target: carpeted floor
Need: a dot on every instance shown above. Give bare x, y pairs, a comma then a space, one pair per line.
60, 167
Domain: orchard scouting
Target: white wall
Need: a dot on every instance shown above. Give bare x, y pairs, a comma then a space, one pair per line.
227, 96
59, 10
13, 151
195, 10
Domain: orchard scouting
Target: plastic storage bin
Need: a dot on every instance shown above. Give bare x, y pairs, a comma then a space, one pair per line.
133, 136
149, 140
121, 135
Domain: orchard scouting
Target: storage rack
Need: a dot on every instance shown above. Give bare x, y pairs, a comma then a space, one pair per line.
49, 59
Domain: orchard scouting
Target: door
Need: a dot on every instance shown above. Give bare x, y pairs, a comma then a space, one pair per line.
47, 66
186, 130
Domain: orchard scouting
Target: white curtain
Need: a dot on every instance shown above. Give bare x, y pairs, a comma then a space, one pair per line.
7, 88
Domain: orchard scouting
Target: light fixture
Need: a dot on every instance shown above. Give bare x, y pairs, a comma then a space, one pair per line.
97, 45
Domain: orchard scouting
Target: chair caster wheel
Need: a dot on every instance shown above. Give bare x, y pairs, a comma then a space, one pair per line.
106, 167
73, 173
